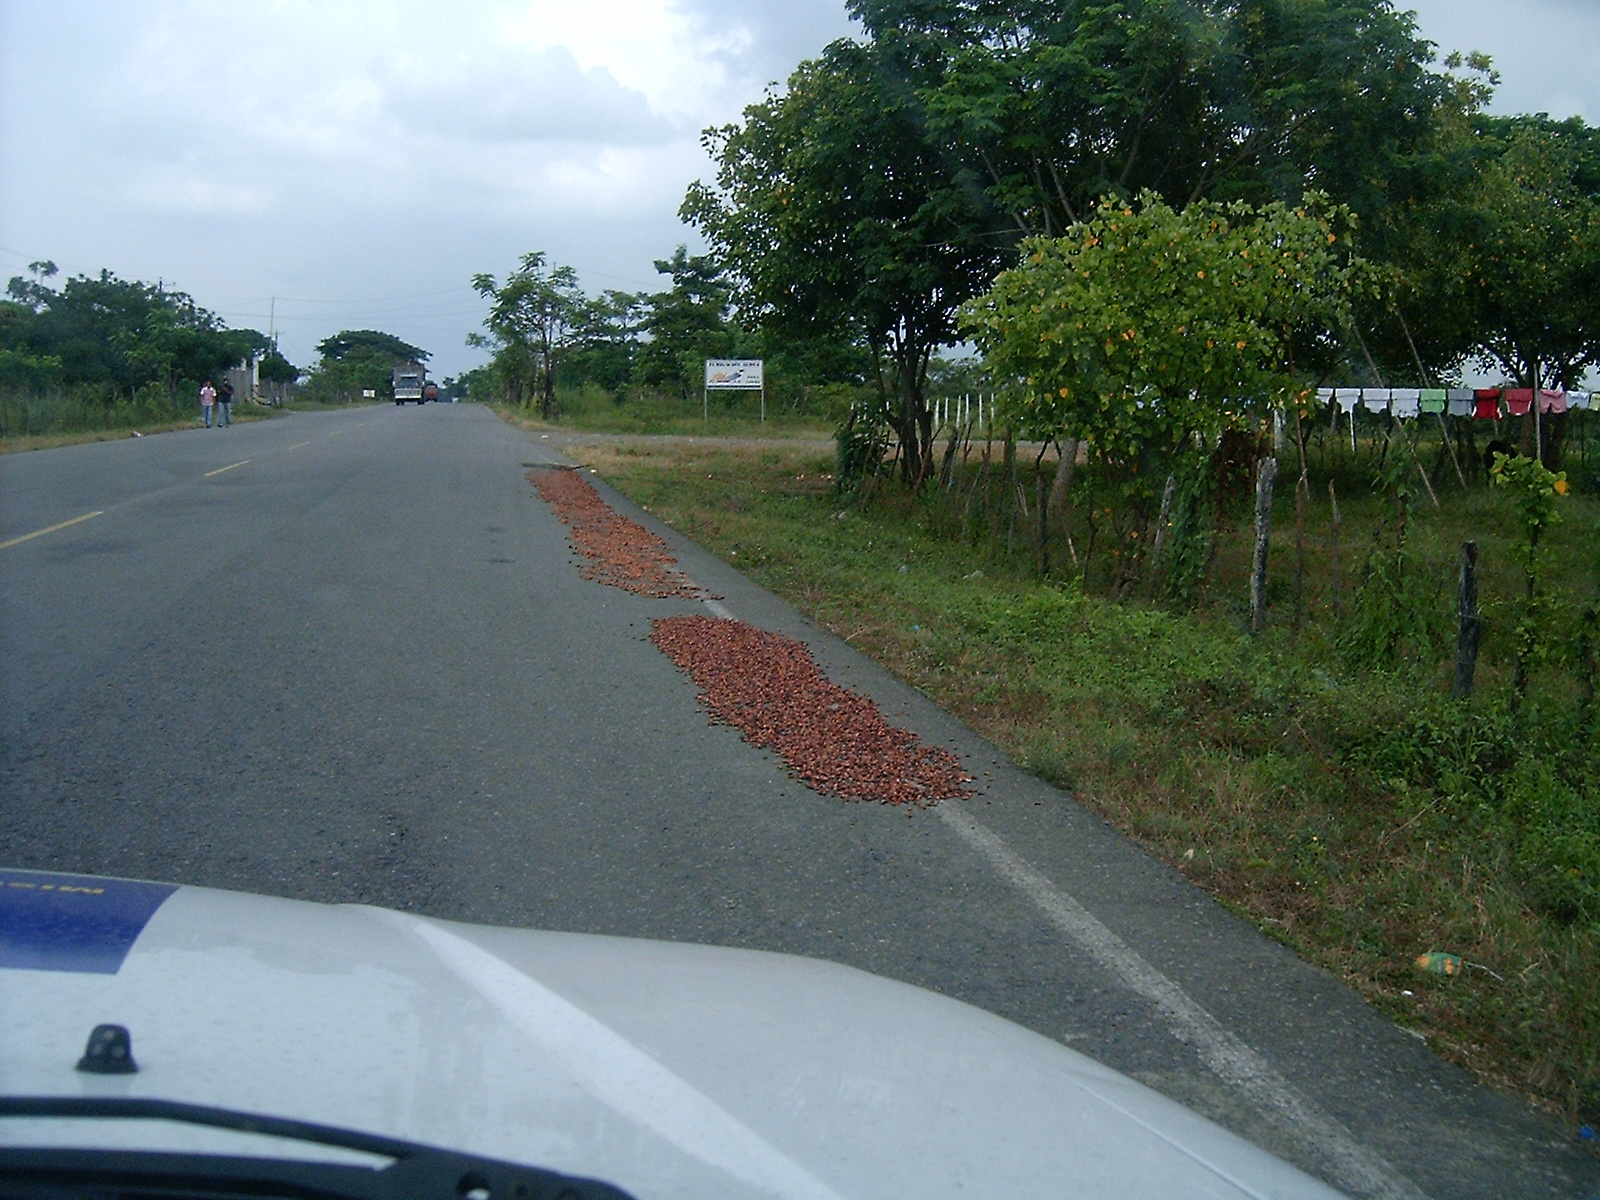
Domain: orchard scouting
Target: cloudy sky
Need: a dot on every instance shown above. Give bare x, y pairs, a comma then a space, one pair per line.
350, 165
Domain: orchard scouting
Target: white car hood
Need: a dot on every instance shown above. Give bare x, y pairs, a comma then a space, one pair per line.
669, 1070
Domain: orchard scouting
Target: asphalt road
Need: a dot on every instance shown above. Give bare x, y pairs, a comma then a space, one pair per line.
348, 657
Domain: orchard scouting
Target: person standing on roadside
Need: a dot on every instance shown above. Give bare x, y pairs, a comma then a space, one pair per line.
225, 404
208, 398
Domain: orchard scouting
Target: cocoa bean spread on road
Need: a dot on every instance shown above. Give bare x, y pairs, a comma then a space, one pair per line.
619, 551
765, 685
768, 687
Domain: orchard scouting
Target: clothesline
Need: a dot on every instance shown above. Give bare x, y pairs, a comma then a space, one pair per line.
1485, 404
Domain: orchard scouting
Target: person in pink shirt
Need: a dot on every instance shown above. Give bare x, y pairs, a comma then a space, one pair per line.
208, 398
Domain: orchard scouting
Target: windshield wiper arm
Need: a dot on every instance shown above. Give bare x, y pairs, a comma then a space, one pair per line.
414, 1170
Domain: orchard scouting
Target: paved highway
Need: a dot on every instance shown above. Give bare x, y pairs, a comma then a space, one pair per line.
348, 657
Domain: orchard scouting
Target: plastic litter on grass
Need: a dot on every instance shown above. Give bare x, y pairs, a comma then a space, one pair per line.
768, 687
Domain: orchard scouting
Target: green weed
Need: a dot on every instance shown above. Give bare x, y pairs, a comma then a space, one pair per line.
1348, 807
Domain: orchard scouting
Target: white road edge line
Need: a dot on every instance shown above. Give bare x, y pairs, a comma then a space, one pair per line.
716, 608
1351, 1165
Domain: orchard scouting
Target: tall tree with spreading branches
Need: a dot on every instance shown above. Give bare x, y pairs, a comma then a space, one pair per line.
837, 217
535, 318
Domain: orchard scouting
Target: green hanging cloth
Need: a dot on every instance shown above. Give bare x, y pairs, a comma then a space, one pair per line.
1433, 400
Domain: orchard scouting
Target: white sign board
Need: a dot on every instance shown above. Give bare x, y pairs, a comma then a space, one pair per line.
368, 394
728, 374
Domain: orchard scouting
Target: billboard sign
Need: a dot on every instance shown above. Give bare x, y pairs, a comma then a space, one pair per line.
731, 374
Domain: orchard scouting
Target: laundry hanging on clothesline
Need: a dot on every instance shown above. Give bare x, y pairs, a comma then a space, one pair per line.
1485, 404
1405, 403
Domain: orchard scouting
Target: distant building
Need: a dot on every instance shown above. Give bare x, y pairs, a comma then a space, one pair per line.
246, 379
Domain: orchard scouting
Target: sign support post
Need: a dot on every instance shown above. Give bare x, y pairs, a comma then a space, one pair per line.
734, 374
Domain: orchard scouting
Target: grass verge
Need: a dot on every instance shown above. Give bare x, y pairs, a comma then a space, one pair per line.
595, 410
121, 429
1360, 818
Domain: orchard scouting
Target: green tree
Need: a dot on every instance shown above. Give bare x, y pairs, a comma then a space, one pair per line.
608, 346
115, 335
1146, 332
687, 324
275, 368
1423, 325
1535, 493
354, 343
838, 219
278, 374
1531, 261
355, 361
1055, 103
535, 319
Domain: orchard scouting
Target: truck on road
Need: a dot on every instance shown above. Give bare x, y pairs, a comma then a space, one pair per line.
410, 382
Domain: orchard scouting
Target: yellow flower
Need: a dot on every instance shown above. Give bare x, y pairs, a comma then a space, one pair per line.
1561, 487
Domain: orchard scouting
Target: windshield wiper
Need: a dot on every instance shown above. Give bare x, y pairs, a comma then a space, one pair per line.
412, 1170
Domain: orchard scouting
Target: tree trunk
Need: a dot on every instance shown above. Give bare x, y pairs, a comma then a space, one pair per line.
1267, 473
1555, 436
1060, 502
1043, 505
1010, 488
1159, 540
1528, 446
1061, 490
1302, 495
1469, 625
1333, 550
947, 467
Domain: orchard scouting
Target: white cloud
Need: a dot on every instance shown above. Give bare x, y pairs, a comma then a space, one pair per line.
511, 96
367, 155
356, 154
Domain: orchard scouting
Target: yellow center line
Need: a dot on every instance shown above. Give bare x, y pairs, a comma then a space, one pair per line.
28, 537
229, 467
